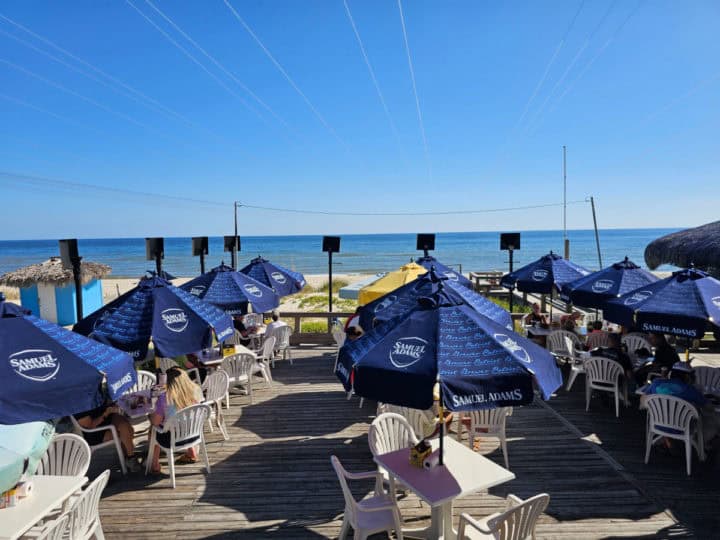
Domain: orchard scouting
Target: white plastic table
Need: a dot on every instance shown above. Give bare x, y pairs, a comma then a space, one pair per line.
464, 472
49, 492
215, 357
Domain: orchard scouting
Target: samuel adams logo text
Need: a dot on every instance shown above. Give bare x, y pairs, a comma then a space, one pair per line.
512, 346
389, 301
197, 290
638, 297
35, 364
539, 275
602, 285
407, 351
278, 277
174, 319
253, 289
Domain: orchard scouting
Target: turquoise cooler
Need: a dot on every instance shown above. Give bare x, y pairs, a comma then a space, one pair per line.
18, 443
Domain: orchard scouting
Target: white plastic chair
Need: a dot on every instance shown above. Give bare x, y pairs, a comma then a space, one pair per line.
339, 337
603, 374
239, 368
186, 431
282, 343
262, 366
597, 339
165, 363
674, 418
389, 432
517, 522
67, 455
371, 515
558, 346
85, 516
56, 529
422, 422
216, 388
145, 381
252, 319
114, 441
707, 379
633, 342
235, 339
489, 422
577, 365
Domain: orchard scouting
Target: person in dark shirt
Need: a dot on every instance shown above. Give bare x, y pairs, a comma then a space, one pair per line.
665, 358
614, 351
242, 330
107, 415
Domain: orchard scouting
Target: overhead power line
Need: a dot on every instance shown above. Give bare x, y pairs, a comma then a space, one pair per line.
25, 180
414, 87
284, 73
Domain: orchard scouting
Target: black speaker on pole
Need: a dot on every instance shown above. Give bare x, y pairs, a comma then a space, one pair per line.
200, 249
71, 260
509, 241
232, 244
68, 252
426, 242
155, 250
331, 244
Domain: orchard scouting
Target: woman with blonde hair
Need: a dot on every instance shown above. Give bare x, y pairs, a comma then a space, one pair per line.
180, 392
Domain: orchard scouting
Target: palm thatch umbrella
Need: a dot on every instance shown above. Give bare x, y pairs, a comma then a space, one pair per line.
699, 246
53, 273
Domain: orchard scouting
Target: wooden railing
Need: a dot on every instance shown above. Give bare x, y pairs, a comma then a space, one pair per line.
295, 318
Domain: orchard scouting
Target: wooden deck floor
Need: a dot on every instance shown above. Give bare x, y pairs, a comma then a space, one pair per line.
274, 479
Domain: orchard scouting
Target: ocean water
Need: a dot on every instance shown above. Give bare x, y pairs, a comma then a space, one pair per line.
474, 251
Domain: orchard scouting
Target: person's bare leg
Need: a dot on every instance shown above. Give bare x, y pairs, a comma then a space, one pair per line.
125, 432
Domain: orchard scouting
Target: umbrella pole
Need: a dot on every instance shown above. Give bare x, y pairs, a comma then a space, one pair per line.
441, 415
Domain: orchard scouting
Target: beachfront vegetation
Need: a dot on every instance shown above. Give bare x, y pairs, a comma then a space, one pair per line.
337, 284
517, 306
319, 302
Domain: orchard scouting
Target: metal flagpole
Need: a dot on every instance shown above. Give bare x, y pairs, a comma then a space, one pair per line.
597, 237
235, 246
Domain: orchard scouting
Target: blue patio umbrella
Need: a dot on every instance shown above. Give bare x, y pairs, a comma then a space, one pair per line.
682, 304
48, 371
597, 288
544, 275
232, 291
282, 280
478, 363
455, 277
404, 299
177, 321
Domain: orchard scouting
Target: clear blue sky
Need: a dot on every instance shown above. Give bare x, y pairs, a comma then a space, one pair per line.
633, 90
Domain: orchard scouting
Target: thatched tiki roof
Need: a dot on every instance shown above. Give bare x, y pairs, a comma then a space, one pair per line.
699, 246
53, 273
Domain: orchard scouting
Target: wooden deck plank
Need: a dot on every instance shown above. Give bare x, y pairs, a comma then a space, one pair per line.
274, 479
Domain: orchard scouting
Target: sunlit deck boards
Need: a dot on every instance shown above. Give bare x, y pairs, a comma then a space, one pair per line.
274, 479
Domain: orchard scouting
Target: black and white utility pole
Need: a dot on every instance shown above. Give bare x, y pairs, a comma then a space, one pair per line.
566, 242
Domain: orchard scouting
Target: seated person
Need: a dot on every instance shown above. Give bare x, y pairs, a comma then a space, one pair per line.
275, 324
680, 385
192, 362
598, 337
665, 358
180, 392
354, 332
535, 317
242, 330
106, 415
570, 322
614, 351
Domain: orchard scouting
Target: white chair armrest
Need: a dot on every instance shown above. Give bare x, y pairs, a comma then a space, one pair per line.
467, 519
512, 501
96, 429
389, 506
361, 475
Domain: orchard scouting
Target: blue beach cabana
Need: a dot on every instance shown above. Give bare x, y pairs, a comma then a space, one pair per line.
48, 290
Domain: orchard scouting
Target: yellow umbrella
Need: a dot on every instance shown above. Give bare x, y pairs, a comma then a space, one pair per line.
389, 282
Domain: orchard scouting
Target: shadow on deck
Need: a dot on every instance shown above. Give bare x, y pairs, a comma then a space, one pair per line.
273, 477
